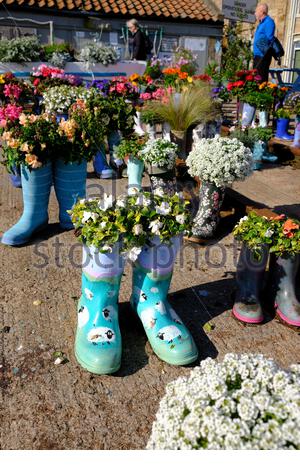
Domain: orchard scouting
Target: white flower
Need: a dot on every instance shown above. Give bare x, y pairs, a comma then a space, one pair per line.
81, 201
138, 229
89, 215
134, 253
159, 192
269, 233
163, 209
243, 219
103, 224
121, 201
106, 202
155, 225
180, 219
106, 248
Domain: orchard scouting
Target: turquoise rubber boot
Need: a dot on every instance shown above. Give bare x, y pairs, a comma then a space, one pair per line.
135, 168
98, 344
69, 185
152, 273
36, 187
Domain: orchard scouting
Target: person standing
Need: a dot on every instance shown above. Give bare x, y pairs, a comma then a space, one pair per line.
263, 39
138, 41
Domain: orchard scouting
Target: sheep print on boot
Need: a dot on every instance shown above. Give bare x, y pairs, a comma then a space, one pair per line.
152, 274
36, 187
98, 344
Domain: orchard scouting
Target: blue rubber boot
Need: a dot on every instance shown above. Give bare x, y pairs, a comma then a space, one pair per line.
282, 129
258, 152
69, 184
135, 168
263, 118
152, 273
15, 177
100, 164
98, 344
36, 187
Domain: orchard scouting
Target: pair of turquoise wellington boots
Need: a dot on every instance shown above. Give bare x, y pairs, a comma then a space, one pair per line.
69, 182
98, 344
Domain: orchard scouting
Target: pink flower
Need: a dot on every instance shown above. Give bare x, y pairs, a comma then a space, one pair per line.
145, 96
12, 91
158, 94
3, 123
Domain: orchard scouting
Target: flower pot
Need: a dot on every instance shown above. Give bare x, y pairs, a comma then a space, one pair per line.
100, 164
152, 274
135, 168
36, 187
258, 151
284, 271
263, 118
208, 215
250, 274
166, 130
98, 343
282, 129
138, 128
163, 178
179, 138
69, 184
296, 142
248, 114
151, 131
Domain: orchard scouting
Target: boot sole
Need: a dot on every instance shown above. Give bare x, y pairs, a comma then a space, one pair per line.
96, 370
279, 319
238, 318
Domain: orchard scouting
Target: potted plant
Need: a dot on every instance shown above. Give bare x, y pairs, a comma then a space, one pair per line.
284, 265
195, 105
256, 140
58, 99
129, 151
144, 228
283, 116
293, 103
244, 402
218, 163
255, 232
159, 157
98, 53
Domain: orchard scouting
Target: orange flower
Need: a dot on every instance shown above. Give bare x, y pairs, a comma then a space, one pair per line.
278, 217
288, 226
183, 75
32, 160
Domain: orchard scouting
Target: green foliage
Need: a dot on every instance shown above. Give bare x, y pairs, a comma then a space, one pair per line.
255, 231
131, 146
25, 49
286, 236
251, 135
237, 51
261, 99
149, 117
283, 113
50, 49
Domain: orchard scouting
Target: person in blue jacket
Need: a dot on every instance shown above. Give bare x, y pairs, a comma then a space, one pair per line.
263, 40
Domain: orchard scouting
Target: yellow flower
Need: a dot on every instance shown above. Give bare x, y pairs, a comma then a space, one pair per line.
2, 79
190, 79
43, 146
13, 143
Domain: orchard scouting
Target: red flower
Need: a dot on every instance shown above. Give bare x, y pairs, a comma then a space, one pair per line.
239, 83
230, 86
249, 78
36, 82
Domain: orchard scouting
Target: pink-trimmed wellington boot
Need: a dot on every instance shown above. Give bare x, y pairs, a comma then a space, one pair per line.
250, 278
284, 271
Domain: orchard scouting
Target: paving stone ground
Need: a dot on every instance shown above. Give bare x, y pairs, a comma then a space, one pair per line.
47, 406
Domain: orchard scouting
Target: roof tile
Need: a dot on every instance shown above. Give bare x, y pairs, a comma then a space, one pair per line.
186, 9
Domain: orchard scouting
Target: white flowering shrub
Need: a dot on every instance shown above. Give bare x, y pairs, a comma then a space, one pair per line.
244, 402
58, 99
220, 161
160, 153
98, 53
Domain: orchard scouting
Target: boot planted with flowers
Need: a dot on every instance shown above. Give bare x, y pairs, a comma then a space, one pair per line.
30, 139
284, 266
165, 218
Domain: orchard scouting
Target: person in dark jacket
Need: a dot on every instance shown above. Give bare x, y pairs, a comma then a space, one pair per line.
263, 39
138, 41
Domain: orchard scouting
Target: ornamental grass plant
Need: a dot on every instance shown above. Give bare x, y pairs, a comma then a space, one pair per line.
193, 106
